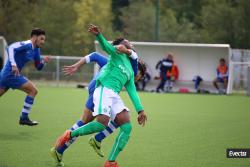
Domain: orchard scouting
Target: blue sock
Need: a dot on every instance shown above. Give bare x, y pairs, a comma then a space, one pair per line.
28, 102
109, 130
66, 145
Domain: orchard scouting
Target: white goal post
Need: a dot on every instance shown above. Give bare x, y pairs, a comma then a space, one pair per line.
191, 58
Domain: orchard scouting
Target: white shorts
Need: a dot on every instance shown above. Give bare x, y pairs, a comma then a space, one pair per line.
107, 102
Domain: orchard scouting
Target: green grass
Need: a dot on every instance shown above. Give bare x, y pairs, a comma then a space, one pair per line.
182, 130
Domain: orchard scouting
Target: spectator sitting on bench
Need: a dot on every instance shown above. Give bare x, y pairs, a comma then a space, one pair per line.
222, 76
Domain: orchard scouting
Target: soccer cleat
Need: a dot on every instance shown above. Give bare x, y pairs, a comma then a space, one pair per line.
63, 139
96, 146
27, 121
111, 164
56, 156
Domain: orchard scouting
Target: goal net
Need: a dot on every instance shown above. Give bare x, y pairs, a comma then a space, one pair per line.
240, 72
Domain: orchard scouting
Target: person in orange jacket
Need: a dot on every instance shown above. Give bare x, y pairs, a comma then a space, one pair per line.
172, 76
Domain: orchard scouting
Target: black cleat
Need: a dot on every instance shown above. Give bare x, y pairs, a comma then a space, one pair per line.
28, 122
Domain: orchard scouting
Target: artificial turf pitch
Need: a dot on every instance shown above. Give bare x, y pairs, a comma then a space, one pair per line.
182, 130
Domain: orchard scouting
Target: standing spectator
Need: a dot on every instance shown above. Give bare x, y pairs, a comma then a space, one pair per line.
222, 76
164, 65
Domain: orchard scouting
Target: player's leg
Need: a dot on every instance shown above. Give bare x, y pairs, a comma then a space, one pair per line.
95, 141
215, 83
85, 118
3, 86
162, 83
30, 89
89, 128
123, 120
225, 81
57, 152
102, 111
112, 126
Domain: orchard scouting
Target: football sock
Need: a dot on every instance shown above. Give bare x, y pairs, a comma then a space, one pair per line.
28, 102
77, 125
109, 130
121, 141
92, 127
71, 141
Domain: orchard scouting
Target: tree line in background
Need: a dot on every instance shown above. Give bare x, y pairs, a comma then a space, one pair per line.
65, 22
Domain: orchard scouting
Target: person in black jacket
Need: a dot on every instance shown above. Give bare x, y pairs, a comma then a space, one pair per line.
164, 66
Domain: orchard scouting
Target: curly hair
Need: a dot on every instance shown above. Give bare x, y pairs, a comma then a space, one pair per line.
117, 41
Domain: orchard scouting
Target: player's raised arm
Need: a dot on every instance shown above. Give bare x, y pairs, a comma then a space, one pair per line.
105, 45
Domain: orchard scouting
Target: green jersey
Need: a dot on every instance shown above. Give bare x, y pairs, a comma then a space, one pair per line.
117, 73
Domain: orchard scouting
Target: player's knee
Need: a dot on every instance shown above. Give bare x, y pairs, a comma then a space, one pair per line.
34, 92
103, 119
87, 116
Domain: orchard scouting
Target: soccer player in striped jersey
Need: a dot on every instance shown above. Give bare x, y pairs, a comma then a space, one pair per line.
107, 102
101, 60
19, 53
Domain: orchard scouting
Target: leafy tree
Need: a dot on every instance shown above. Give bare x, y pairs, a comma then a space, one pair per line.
16, 19
243, 25
218, 20
117, 5
96, 12
139, 24
59, 25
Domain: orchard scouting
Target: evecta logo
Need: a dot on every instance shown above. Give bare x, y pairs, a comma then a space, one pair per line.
238, 153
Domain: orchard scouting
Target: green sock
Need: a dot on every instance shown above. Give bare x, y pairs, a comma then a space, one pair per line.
89, 128
120, 141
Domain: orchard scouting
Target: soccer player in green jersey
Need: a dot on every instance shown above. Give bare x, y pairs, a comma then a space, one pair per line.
116, 74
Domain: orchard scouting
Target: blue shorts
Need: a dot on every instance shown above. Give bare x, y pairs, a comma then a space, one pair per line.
219, 79
12, 81
90, 104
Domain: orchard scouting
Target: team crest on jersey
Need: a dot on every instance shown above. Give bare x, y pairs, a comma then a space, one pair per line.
107, 110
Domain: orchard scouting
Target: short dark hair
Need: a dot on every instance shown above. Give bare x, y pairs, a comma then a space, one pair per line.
142, 67
223, 60
37, 31
117, 41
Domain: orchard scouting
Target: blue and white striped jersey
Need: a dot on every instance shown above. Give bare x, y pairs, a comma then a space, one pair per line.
19, 53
